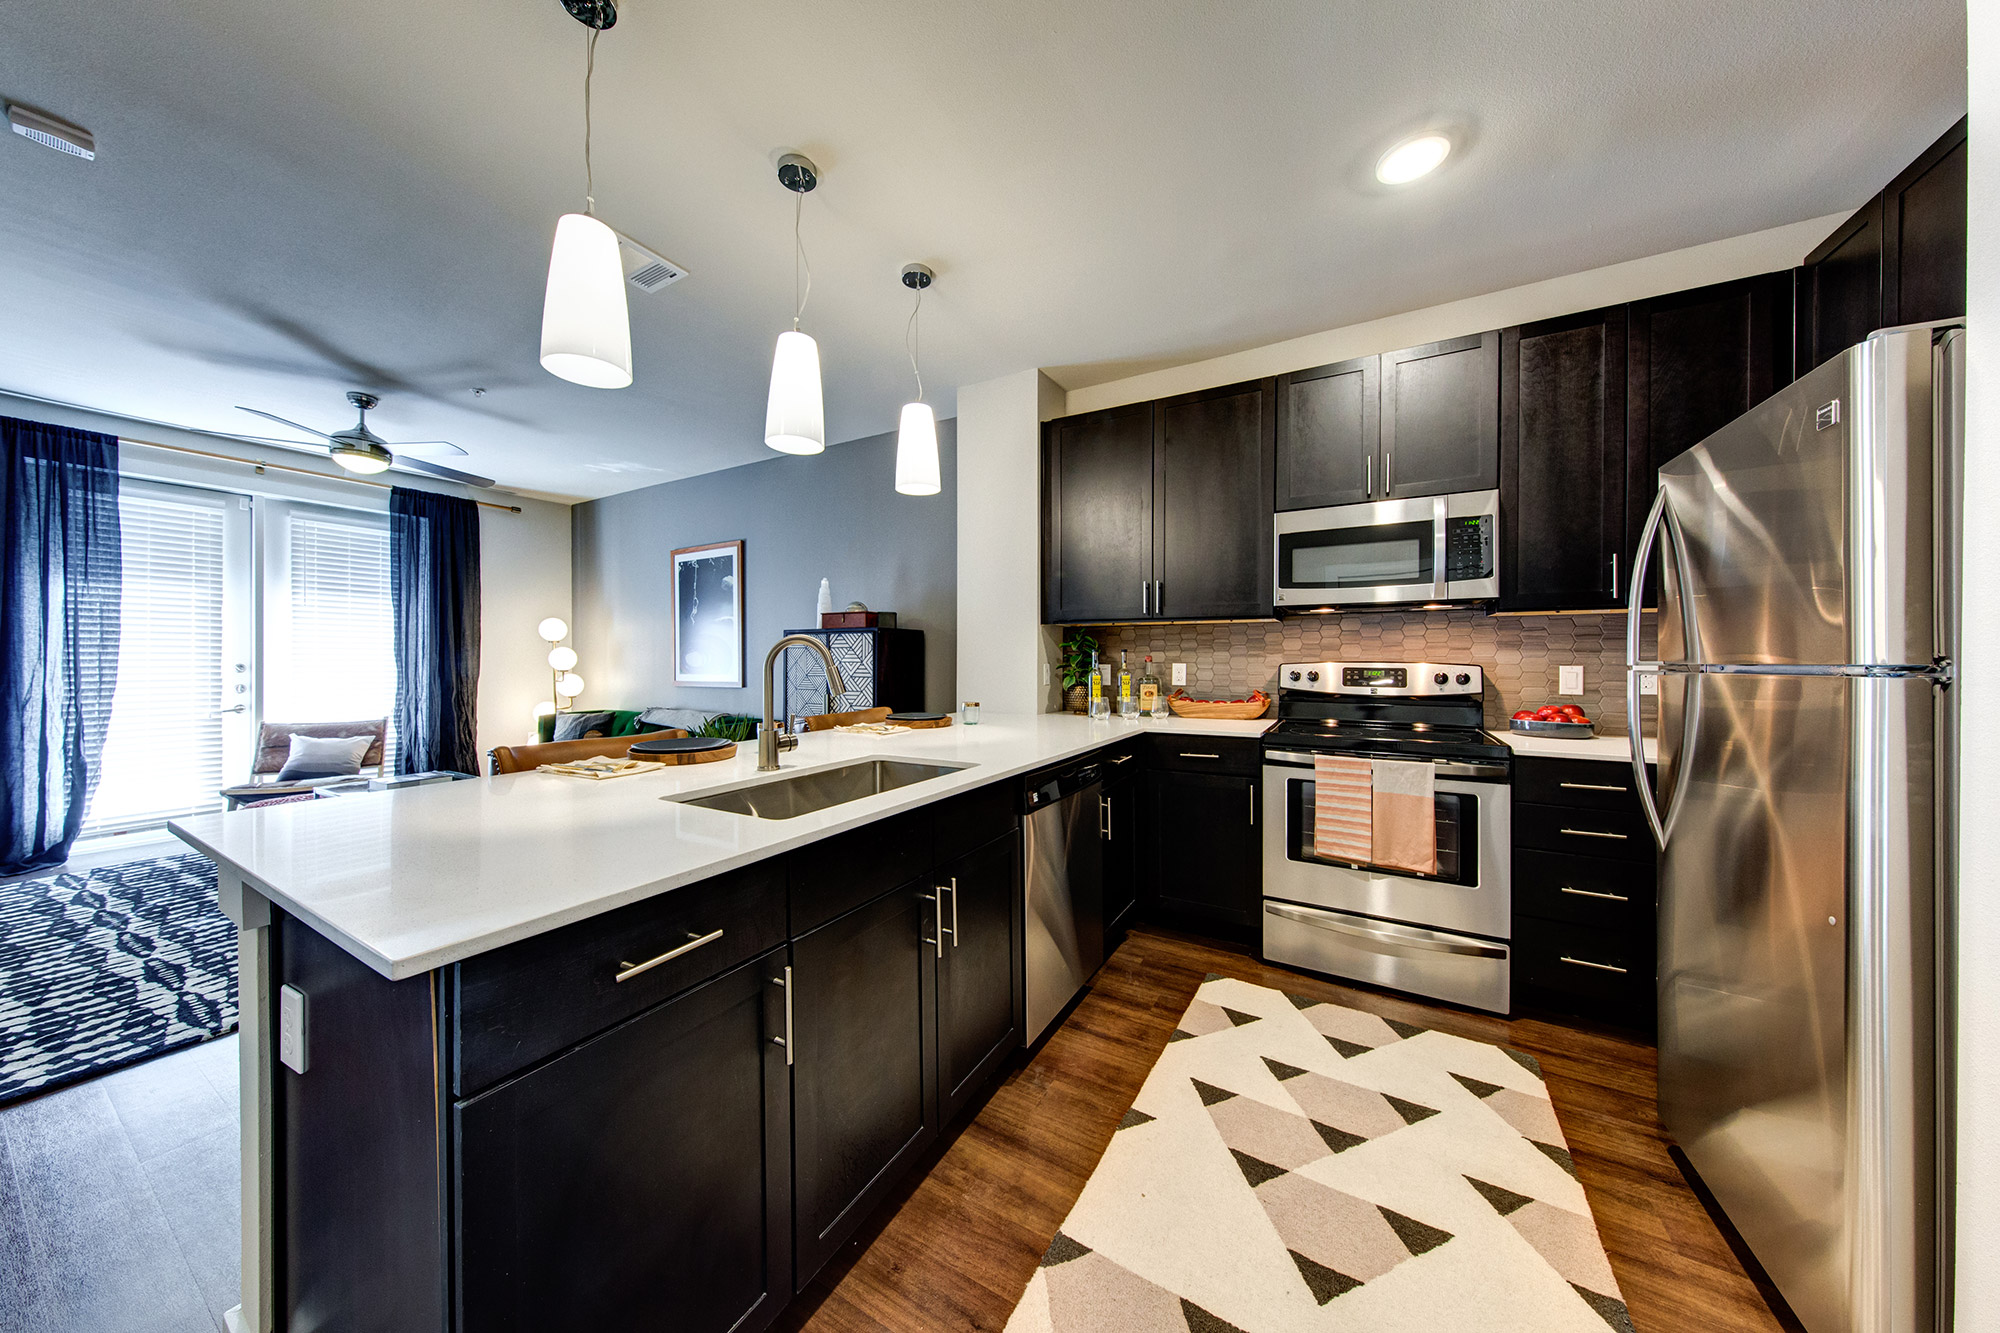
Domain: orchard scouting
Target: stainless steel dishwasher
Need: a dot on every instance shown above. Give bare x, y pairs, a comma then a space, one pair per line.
1064, 943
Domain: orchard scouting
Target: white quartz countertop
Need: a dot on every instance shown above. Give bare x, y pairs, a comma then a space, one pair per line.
411, 880
1615, 749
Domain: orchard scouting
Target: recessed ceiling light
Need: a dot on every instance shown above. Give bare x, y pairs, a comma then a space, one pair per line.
1412, 159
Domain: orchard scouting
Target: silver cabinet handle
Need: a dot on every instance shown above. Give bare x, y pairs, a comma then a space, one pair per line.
1587, 893
694, 942
936, 940
1186, 755
1592, 786
1593, 833
1159, 597
1388, 472
786, 1040
1370, 492
1253, 805
1614, 573
1145, 590
954, 911
1104, 818
1585, 962
1121, 758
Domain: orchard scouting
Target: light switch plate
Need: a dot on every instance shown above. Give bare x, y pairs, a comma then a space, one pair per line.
292, 1028
1180, 673
1569, 680
1649, 684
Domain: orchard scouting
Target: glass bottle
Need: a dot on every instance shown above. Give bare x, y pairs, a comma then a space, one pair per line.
1128, 704
1099, 707
1150, 702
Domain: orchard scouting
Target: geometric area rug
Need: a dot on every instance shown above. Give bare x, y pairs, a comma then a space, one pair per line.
1291, 1164
103, 969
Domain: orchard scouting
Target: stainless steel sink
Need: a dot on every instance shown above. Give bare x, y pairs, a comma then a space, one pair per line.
788, 798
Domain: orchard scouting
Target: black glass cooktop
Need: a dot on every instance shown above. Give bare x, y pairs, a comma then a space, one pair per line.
1386, 739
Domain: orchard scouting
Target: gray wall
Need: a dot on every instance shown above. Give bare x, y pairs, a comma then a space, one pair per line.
834, 515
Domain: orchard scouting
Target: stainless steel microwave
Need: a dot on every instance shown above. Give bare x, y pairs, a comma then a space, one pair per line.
1441, 548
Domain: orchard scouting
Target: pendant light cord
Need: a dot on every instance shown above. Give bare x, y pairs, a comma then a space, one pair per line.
589, 68
799, 258
912, 337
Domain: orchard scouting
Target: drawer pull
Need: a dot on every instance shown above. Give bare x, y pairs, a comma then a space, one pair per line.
694, 942
1186, 755
1588, 893
1121, 758
1585, 962
1594, 833
1592, 786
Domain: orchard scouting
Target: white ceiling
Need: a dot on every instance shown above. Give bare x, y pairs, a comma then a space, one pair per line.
300, 197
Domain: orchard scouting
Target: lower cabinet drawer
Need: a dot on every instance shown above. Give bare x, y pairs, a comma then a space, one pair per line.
1554, 828
526, 1001
1596, 973
1207, 754
1584, 890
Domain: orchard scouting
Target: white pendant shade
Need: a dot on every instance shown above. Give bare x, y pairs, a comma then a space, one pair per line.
795, 420
586, 333
917, 452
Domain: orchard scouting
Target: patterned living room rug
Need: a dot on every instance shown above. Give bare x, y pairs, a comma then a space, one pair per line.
102, 969
1292, 1164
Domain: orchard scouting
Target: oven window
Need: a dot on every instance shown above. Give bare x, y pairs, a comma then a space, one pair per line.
1370, 556
1457, 834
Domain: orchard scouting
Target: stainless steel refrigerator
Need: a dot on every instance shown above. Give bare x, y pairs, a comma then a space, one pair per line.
1808, 557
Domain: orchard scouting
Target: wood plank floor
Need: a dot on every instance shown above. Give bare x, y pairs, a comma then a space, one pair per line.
959, 1246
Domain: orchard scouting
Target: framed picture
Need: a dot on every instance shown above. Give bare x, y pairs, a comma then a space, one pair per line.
708, 615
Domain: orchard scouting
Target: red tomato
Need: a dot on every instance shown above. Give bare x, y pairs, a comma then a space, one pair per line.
1548, 713
1524, 716
1571, 710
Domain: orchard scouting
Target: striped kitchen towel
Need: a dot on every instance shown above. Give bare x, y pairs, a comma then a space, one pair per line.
1343, 808
1405, 832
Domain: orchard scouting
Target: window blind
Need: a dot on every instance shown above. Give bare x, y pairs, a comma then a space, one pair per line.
336, 661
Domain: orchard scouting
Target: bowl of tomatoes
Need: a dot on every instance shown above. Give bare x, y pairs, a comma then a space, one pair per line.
1553, 720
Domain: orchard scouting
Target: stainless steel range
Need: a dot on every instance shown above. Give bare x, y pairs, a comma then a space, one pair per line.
1442, 935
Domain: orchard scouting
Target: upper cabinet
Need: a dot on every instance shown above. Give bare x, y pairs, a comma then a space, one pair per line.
1899, 260
1422, 421
1161, 510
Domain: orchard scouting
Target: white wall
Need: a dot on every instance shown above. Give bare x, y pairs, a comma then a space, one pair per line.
1654, 275
525, 573
1979, 704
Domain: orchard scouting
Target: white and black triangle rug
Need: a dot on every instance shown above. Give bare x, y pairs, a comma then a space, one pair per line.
103, 969
1296, 1165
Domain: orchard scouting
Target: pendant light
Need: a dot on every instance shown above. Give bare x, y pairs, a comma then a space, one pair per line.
586, 330
916, 434
795, 417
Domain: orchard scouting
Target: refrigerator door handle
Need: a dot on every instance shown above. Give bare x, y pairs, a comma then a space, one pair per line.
1660, 517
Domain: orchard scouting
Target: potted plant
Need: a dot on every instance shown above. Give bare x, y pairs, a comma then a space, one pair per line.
1077, 650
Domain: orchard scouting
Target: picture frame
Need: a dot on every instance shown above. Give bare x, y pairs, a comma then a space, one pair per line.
708, 615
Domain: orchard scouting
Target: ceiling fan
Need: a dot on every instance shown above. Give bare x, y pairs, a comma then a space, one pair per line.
359, 449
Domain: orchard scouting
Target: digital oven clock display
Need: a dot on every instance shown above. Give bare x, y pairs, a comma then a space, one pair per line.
1396, 677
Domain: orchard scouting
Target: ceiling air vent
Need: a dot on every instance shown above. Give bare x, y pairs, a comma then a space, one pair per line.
648, 270
49, 132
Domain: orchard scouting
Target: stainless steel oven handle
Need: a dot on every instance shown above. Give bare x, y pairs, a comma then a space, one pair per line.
1445, 768
1409, 936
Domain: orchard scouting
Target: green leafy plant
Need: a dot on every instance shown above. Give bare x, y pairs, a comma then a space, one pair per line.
1077, 649
729, 726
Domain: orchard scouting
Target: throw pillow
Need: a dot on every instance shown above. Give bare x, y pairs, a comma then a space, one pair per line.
577, 726
324, 757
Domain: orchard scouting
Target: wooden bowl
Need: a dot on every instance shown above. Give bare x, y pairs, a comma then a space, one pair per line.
1236, 710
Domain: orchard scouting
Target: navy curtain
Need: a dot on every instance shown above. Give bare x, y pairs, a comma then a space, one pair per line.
60, 585
434, 586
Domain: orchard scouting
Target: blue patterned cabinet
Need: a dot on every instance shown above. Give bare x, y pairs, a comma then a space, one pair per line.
883, 668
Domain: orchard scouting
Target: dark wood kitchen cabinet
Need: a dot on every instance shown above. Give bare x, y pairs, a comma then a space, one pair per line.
978, 987
1562, 463
1160, 510
864, 1020
1441, 417
1203, 862
646, 1170
1118, 828
1329, 434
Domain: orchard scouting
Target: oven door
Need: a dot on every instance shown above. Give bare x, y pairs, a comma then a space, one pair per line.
1471, 894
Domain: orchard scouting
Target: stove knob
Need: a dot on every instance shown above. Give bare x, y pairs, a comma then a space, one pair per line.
1295, 675
1464, 678
1440, 678
1312, 675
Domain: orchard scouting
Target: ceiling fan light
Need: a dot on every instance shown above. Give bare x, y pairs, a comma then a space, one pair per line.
795, 419
917, 451
360, 456
586, 330
1413, 159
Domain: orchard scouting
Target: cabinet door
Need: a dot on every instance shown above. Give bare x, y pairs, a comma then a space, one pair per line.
1119, 828
1441, 417
979, 997
1214, 452
1329, 437
1842, 303
1099, 543
646, 1170
1695, 361
1203, 861
1562, 462
1923, 219
863, 1080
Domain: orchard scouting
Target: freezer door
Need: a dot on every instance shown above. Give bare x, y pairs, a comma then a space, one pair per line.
1794, 982
1807, 520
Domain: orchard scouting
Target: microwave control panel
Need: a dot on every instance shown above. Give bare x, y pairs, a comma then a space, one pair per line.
1468, 548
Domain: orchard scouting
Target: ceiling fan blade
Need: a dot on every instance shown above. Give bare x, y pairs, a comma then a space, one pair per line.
302, 446
429, 449
439, 470
282, 422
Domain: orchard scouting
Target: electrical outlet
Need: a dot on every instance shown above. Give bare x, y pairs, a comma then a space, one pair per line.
292, 1028
1180, 673
1649, 684
1045, 675
1569, 680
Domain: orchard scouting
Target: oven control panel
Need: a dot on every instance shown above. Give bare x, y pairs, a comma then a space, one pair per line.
1396, 679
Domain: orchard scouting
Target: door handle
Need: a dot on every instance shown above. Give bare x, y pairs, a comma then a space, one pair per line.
695, 941
936, 938
1104, 818
240, 708
1659, 518
1145, 589
954, 912
1159, 597
786, 1040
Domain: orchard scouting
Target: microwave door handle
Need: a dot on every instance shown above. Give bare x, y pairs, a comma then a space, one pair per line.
1440, 556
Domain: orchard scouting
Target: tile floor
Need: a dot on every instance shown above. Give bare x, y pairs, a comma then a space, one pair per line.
119, 1200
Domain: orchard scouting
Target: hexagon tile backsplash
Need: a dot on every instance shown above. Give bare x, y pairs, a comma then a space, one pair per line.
1519, 654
